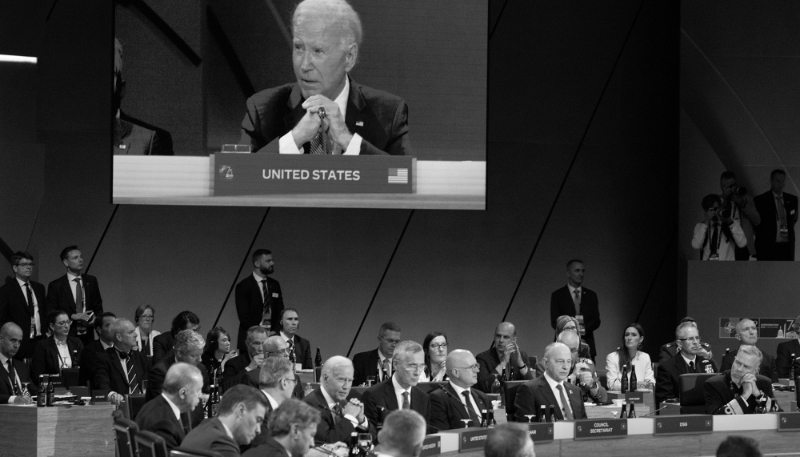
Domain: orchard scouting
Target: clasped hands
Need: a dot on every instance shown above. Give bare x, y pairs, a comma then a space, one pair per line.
332, 122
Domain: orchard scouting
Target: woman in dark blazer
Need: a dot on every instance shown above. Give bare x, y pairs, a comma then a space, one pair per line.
58, 351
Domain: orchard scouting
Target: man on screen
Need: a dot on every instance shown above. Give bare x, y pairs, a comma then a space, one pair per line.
325, 111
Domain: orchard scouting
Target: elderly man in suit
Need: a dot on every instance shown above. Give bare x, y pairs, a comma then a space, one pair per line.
747, 333
57, 352
457, 400
180, 394
578, 301
248, 360
325, 111
400, 391
22, 301
688, 360
550, 388
341, 414
377, 363
241, 412
77, 294
582, 373
505, 357
740, 390
775, 237
292, 428
273, 347
259, 299
13, 373
299, 347
121, 370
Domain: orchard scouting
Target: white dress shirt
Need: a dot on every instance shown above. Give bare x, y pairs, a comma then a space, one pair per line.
79, 307
553, 383
472, 403
4, 362
63, 354
398, 392
174, 407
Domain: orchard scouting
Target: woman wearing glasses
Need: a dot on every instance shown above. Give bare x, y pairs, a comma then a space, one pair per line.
144, 317
58, 351
570, 323
435, 346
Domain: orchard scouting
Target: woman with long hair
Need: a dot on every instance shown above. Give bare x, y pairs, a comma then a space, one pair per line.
629, 354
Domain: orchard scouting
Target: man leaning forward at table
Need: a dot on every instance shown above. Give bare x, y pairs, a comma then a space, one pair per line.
741, 390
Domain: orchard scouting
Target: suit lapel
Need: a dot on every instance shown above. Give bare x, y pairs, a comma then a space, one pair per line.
67, 289
116, 362
454, 397
550, 396
389, 396
52, 349
295, 110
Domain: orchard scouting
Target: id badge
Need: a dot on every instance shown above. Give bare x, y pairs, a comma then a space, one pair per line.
579, 317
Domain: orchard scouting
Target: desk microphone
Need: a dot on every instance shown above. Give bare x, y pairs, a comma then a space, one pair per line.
654, 411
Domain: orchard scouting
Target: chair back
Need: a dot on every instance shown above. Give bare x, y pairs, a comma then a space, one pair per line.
80, 391
70, 377
150, 445
134, 403
184, 452
125, 430
532, 361
511, 396
692, 401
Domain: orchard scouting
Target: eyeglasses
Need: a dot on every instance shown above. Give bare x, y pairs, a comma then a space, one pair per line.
27, 264
475, 367
439, 346
694, 339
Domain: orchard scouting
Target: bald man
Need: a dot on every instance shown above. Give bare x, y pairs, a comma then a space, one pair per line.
457, 400
274, 346
13, 372
342, 414
747, 333
325, 111
550, 388
505, 355
582, 373
180, 394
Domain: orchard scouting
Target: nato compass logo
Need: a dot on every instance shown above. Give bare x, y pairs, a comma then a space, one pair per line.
225, 171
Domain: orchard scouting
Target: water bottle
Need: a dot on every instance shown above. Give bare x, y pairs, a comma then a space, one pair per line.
624, 381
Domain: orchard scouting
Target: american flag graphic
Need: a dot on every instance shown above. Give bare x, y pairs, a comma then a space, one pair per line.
398, 176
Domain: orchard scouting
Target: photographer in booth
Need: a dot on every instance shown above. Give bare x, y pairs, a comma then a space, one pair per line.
719, 234
743, 210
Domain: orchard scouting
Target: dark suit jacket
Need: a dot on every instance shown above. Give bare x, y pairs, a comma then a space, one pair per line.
132, 139
268, 448
328, 430
14, 308
233, 367
488, 361
669, 350
155, 385
784, 361
250, 307
91, 352
302, 352
156, 416
6, 386
381, 395
211, 436
447, 409
365, 364
109, 374
668, 383
46, 359
250, 378
59, 297
162, 345
263, 435
380, 118
767, 230
767, 367
537, 392
561, 304
718, 392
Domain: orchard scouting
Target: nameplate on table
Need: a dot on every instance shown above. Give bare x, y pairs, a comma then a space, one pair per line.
680, 425
634, 397
267, 174
788, 422
472, 438
600, 428
541, 431
432, 445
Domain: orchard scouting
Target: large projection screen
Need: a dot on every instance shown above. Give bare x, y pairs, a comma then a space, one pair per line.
189, 68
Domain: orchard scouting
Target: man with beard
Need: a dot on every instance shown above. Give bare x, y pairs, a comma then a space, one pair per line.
259, 300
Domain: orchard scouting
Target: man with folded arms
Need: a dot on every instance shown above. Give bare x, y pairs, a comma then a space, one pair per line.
180, 394
505, 355
377, 363
341, 415
400, 391
740, 390
688, 360
747, 333
291, 429
550, 388
241, 412
457, 401
14, 372
121, 370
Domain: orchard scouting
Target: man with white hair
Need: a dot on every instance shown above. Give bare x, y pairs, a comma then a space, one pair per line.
180, 394
121, 370
740, 390
341, 414
399, 391
402, 434
325, 111
747, 333
550, 388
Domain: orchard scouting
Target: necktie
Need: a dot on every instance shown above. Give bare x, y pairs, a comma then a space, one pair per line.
565, 403
79, 306
406, 404
267, 313
337, 413
292, 357
133, 383
12, 374
476, 421
781, 212
31, 309
384, 374
321, 144
691, 366
577, 301
714, 240
146, 345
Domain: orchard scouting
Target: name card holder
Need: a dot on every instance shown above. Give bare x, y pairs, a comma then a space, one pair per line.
432, 445
690, 424
470, 438
541, 432
634, 397
592, 429
789, 422
269, 174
